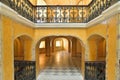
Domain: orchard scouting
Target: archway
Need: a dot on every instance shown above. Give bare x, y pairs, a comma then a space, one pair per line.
61, 43
97, 48
97, 58
74, 45
23, 48
24, 67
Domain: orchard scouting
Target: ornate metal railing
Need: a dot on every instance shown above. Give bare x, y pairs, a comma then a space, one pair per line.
23, 7
95, 70
24, 70
97, 7
59, 13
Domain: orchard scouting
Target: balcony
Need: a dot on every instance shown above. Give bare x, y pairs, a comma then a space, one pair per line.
59, 13
24, 70
95, 70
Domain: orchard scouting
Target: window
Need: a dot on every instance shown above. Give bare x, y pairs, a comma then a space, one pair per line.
58, 43
42, 44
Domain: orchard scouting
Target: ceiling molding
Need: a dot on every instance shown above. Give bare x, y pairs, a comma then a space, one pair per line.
60, 25
5, 10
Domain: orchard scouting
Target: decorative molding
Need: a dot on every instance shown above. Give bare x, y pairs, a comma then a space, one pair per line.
114, 9
60, 25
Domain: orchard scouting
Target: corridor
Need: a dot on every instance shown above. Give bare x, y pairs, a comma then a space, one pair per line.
59, 66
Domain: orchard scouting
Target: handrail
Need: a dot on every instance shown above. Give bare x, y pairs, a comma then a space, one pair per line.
95, 70
24, 70
59, 13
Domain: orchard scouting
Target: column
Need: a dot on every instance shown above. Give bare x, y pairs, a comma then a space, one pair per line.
118, 51
47, 46
69, 46
74, 40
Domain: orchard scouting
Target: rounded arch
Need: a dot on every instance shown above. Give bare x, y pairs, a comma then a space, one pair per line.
78, 37
41, 38
62, 38
96, 47
25, 35
24, 48
96, 35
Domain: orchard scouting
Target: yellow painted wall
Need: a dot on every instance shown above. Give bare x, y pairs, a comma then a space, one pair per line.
92, 50
101, 50
18, 49
11, 30
80, 33
112, 48
109, 29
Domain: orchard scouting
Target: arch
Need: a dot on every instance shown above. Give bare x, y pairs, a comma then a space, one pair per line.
80, 39
27, 35
26, 43
60, 38
95, 35
64, 36
96, 47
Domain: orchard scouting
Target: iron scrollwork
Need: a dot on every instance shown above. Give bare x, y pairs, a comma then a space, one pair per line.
95, 70
24, 70
59, 13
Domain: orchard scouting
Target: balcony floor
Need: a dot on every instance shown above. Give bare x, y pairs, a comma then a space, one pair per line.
59, 66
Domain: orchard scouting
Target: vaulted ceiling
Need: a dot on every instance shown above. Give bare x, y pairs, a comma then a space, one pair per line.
60, 2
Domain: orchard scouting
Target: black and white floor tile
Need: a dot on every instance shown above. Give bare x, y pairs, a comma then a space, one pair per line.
60, 67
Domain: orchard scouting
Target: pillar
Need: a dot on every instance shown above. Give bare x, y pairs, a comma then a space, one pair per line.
74, 46
47, 46
69, 46
118, 50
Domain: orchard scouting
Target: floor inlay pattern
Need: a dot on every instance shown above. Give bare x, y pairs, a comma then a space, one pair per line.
63, 69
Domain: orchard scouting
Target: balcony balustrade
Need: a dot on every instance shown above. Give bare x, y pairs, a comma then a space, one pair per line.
95, 70
24, 70
59, 13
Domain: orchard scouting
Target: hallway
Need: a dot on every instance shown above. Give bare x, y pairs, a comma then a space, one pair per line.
59, 66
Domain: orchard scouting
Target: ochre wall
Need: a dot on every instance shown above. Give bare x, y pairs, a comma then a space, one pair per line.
92, 50
11, 30
112, 48
80, 33
101, 50
108, 30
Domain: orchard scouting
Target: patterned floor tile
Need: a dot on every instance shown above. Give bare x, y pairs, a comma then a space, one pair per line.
66, 68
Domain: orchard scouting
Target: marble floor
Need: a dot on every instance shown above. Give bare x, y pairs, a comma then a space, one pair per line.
59, 66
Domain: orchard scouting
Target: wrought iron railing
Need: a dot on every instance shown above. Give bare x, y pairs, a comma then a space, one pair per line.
59, 13
95, 70
23, 7
24, 70
97, 7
